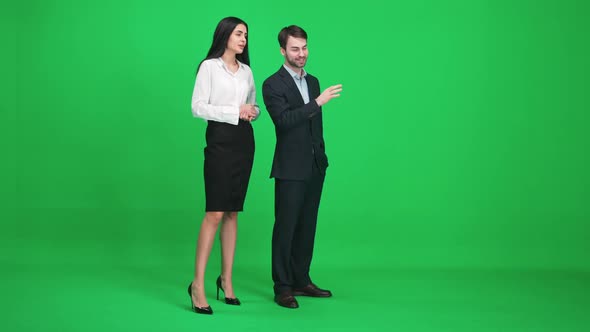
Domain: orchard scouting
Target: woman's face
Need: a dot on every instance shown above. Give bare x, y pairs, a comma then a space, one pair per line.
237, 40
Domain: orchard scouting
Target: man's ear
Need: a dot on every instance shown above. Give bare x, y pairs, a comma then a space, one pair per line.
283, 52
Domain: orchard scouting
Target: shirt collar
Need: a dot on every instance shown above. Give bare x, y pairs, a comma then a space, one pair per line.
222, 64
294, 74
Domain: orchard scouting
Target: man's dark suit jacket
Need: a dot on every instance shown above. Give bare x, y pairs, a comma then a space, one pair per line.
298, 126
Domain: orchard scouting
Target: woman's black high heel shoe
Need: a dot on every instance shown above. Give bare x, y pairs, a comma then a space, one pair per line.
228, 300
200, 310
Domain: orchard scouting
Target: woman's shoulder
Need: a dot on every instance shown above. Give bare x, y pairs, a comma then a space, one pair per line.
210, 62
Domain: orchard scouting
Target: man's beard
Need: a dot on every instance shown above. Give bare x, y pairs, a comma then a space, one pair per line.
295, 64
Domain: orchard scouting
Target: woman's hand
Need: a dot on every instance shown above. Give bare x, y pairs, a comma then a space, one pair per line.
248, 112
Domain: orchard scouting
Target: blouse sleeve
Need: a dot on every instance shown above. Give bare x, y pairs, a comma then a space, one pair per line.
252, 96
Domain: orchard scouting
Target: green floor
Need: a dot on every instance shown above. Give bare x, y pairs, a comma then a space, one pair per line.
97, 297
68, 275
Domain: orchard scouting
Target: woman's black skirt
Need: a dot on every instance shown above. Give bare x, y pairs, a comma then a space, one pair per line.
228, 163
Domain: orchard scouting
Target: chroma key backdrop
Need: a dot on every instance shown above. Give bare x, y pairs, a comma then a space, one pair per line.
457, 197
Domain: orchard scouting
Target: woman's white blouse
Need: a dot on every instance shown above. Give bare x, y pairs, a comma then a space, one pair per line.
218, 92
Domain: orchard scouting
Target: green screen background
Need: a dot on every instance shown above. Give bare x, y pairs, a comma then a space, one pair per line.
458, 151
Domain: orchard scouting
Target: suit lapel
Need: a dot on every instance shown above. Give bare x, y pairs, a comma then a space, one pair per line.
312, 88
288, 79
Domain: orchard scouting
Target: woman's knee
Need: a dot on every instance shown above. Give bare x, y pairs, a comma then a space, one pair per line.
230, 216
214, 217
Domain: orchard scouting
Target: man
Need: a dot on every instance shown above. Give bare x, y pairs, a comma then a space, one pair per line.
293, 99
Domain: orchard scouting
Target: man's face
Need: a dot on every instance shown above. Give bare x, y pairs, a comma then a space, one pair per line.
237, 40
296, 52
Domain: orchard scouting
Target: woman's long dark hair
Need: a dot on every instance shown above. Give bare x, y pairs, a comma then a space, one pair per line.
220, 37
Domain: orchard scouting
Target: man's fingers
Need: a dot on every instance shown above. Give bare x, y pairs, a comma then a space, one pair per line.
334, 89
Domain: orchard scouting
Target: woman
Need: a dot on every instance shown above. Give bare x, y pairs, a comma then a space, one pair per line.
224, 96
